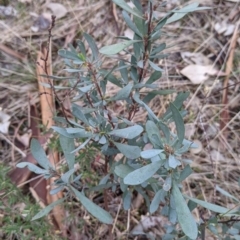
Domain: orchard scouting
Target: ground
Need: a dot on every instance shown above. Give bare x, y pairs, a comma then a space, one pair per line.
207, 39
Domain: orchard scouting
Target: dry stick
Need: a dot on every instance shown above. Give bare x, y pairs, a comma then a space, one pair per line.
224, 116
47, 108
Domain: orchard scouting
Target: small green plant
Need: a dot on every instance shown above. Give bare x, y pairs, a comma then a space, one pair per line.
159, 169
16, 212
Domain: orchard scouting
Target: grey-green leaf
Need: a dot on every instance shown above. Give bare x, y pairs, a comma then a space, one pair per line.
178, 122
92, 45
127, 8
153, 134
130, 23
213, 207
185, 217
32, 167
156, 201
147, 154
39, 154
131, 152
122, 170
128, 133
155, 66
173, 162
47, 209
123, 93
116, 48
93, 209
68, 146
142, 174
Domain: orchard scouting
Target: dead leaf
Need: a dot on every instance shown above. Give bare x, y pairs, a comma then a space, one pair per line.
4, 122
195, 58
57, 9
198, 149
24, 139
198, 74
224, 28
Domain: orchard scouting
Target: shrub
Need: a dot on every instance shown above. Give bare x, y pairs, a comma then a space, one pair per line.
160, 168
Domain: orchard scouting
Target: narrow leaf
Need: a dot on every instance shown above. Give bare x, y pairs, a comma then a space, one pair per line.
131, 152
92, 208
185, 217
178, 122
122, 170
116, 48
213, 207
129, 132
92, 45
126, 7
47, 209
32, 167
39, 154
142, 174
68, 146
155, 67
173, 162
123, 94
227, 194
185, 173
147, 154
159, 197
130, 23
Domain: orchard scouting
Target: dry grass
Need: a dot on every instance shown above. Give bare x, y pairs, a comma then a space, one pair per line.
217, 163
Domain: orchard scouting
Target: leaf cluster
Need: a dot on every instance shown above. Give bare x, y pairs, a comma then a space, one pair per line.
151, 154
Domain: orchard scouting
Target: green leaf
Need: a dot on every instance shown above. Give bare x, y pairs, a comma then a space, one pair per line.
32, 167
81, 146
92, 208
149, 110
123, 94
154, 77
173, 162
77, 112
142, 174
154, 93
147, 154
178, 14
130, 24
185, 173
158, 49
67, 54
127, 196
227, 194
215, 208
155, 67
123, 70
185, 217
116, 48
47, 209
178, 102
177, 117
68, 146
65, 177
153, 134
92, 45
128, 133
131, 152
158, 197
40, 155
122, 170
127, 8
